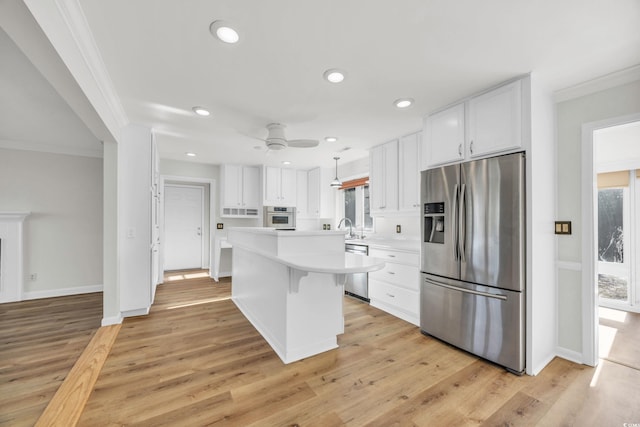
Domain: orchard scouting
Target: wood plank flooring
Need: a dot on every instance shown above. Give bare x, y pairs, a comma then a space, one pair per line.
195, 360
40, 341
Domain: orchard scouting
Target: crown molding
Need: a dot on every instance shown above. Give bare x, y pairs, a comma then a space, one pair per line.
50, 148
598, 84
66, 27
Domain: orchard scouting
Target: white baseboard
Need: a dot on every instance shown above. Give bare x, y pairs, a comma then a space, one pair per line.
62, 292
113, 320
136, 312
570, 355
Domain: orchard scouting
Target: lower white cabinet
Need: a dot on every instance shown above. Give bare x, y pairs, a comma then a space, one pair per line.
395, 289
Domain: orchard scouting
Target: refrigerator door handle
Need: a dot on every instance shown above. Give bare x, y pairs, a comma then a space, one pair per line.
454, 222
462, 217
466, 291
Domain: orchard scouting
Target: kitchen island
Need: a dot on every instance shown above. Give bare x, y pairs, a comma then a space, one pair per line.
290, 286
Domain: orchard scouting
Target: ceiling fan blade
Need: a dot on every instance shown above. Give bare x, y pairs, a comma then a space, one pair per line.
303, 143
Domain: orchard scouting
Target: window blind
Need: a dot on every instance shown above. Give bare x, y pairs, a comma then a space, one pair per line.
613, 179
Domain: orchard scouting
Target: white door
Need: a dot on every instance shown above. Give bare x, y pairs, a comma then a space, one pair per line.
183, 212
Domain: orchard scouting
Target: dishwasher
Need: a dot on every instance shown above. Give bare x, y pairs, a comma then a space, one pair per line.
357, 285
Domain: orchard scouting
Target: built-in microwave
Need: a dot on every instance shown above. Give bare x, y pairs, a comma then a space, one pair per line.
280, 217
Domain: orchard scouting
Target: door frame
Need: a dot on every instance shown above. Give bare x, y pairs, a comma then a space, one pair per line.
201, 190
186, 180
589, 189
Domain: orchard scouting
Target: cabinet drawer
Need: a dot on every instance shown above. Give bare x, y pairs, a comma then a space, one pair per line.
406, 276
401, 298
409, 258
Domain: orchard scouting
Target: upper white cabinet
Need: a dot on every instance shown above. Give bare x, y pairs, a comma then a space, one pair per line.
320, 196
444, 136
302, 191
279, 186
409, 166
240, 191
495, 120
476, 127
383, 178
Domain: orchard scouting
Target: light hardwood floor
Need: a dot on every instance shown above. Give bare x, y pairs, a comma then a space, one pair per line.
195, 360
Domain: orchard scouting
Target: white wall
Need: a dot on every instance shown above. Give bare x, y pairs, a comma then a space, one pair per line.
570, 116
63, 236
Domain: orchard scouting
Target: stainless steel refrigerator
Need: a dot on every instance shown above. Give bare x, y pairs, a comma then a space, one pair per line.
473, 257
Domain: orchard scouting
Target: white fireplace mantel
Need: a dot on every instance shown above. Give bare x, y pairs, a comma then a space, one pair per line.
11, 255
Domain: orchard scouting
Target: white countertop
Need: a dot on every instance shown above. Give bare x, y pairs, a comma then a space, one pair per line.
288, 233
346, 263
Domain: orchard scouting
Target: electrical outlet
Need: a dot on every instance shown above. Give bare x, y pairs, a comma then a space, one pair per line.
328, 226
398, 228
563, 227
219, 226
324, 227
33, 277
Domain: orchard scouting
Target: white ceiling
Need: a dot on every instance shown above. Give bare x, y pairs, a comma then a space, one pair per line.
162, 61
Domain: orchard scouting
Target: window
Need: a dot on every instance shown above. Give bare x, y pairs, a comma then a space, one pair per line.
356, 204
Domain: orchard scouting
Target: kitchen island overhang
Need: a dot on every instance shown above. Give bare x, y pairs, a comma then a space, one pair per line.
290, 286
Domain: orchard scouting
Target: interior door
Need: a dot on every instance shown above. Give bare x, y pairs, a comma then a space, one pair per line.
183, 213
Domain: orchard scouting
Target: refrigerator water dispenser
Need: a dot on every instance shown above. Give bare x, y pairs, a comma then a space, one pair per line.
433, 222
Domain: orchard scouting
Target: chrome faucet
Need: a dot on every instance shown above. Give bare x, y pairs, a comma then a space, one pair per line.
350, 226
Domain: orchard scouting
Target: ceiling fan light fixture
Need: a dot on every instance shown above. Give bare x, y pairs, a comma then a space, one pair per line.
201, 111
336, 183
403, 103
224, 32
334, 75
331, 139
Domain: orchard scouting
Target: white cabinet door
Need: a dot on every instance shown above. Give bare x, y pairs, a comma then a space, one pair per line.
288, 187
409, 164
272, 193
383, 178
443, 136
231, 186
251, 187
313, 194
495, 120
302, 199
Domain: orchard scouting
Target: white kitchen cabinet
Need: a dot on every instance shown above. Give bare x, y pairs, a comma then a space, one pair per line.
495, 120
396, 288
320, 196
239, 191
443, 136
409, 166
383, 178
478, 126
302, 194
279, 186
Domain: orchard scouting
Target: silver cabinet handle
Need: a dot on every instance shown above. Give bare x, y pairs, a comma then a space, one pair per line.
471, 147
391, 256
390, 295
460, 149
391, 272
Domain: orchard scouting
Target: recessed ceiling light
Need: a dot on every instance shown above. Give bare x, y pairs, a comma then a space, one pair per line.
223, 31
190, 154
331, 139
201, 111
334, 75
403, 103
286, 162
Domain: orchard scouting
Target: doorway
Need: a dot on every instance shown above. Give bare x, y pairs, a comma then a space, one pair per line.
183, 227
610, 233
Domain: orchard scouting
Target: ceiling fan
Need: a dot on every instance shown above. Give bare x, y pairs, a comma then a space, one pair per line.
277, 141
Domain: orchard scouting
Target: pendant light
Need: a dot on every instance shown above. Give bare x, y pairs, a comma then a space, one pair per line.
336, 183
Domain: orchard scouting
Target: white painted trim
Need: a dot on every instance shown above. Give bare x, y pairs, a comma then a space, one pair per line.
570, 355
569, 265
50, 148
62, 292
607, 81
113, 320
619, 165
589, 222
136, 312
77, 24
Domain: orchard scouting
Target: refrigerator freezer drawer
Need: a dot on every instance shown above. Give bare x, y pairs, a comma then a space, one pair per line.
485, 321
